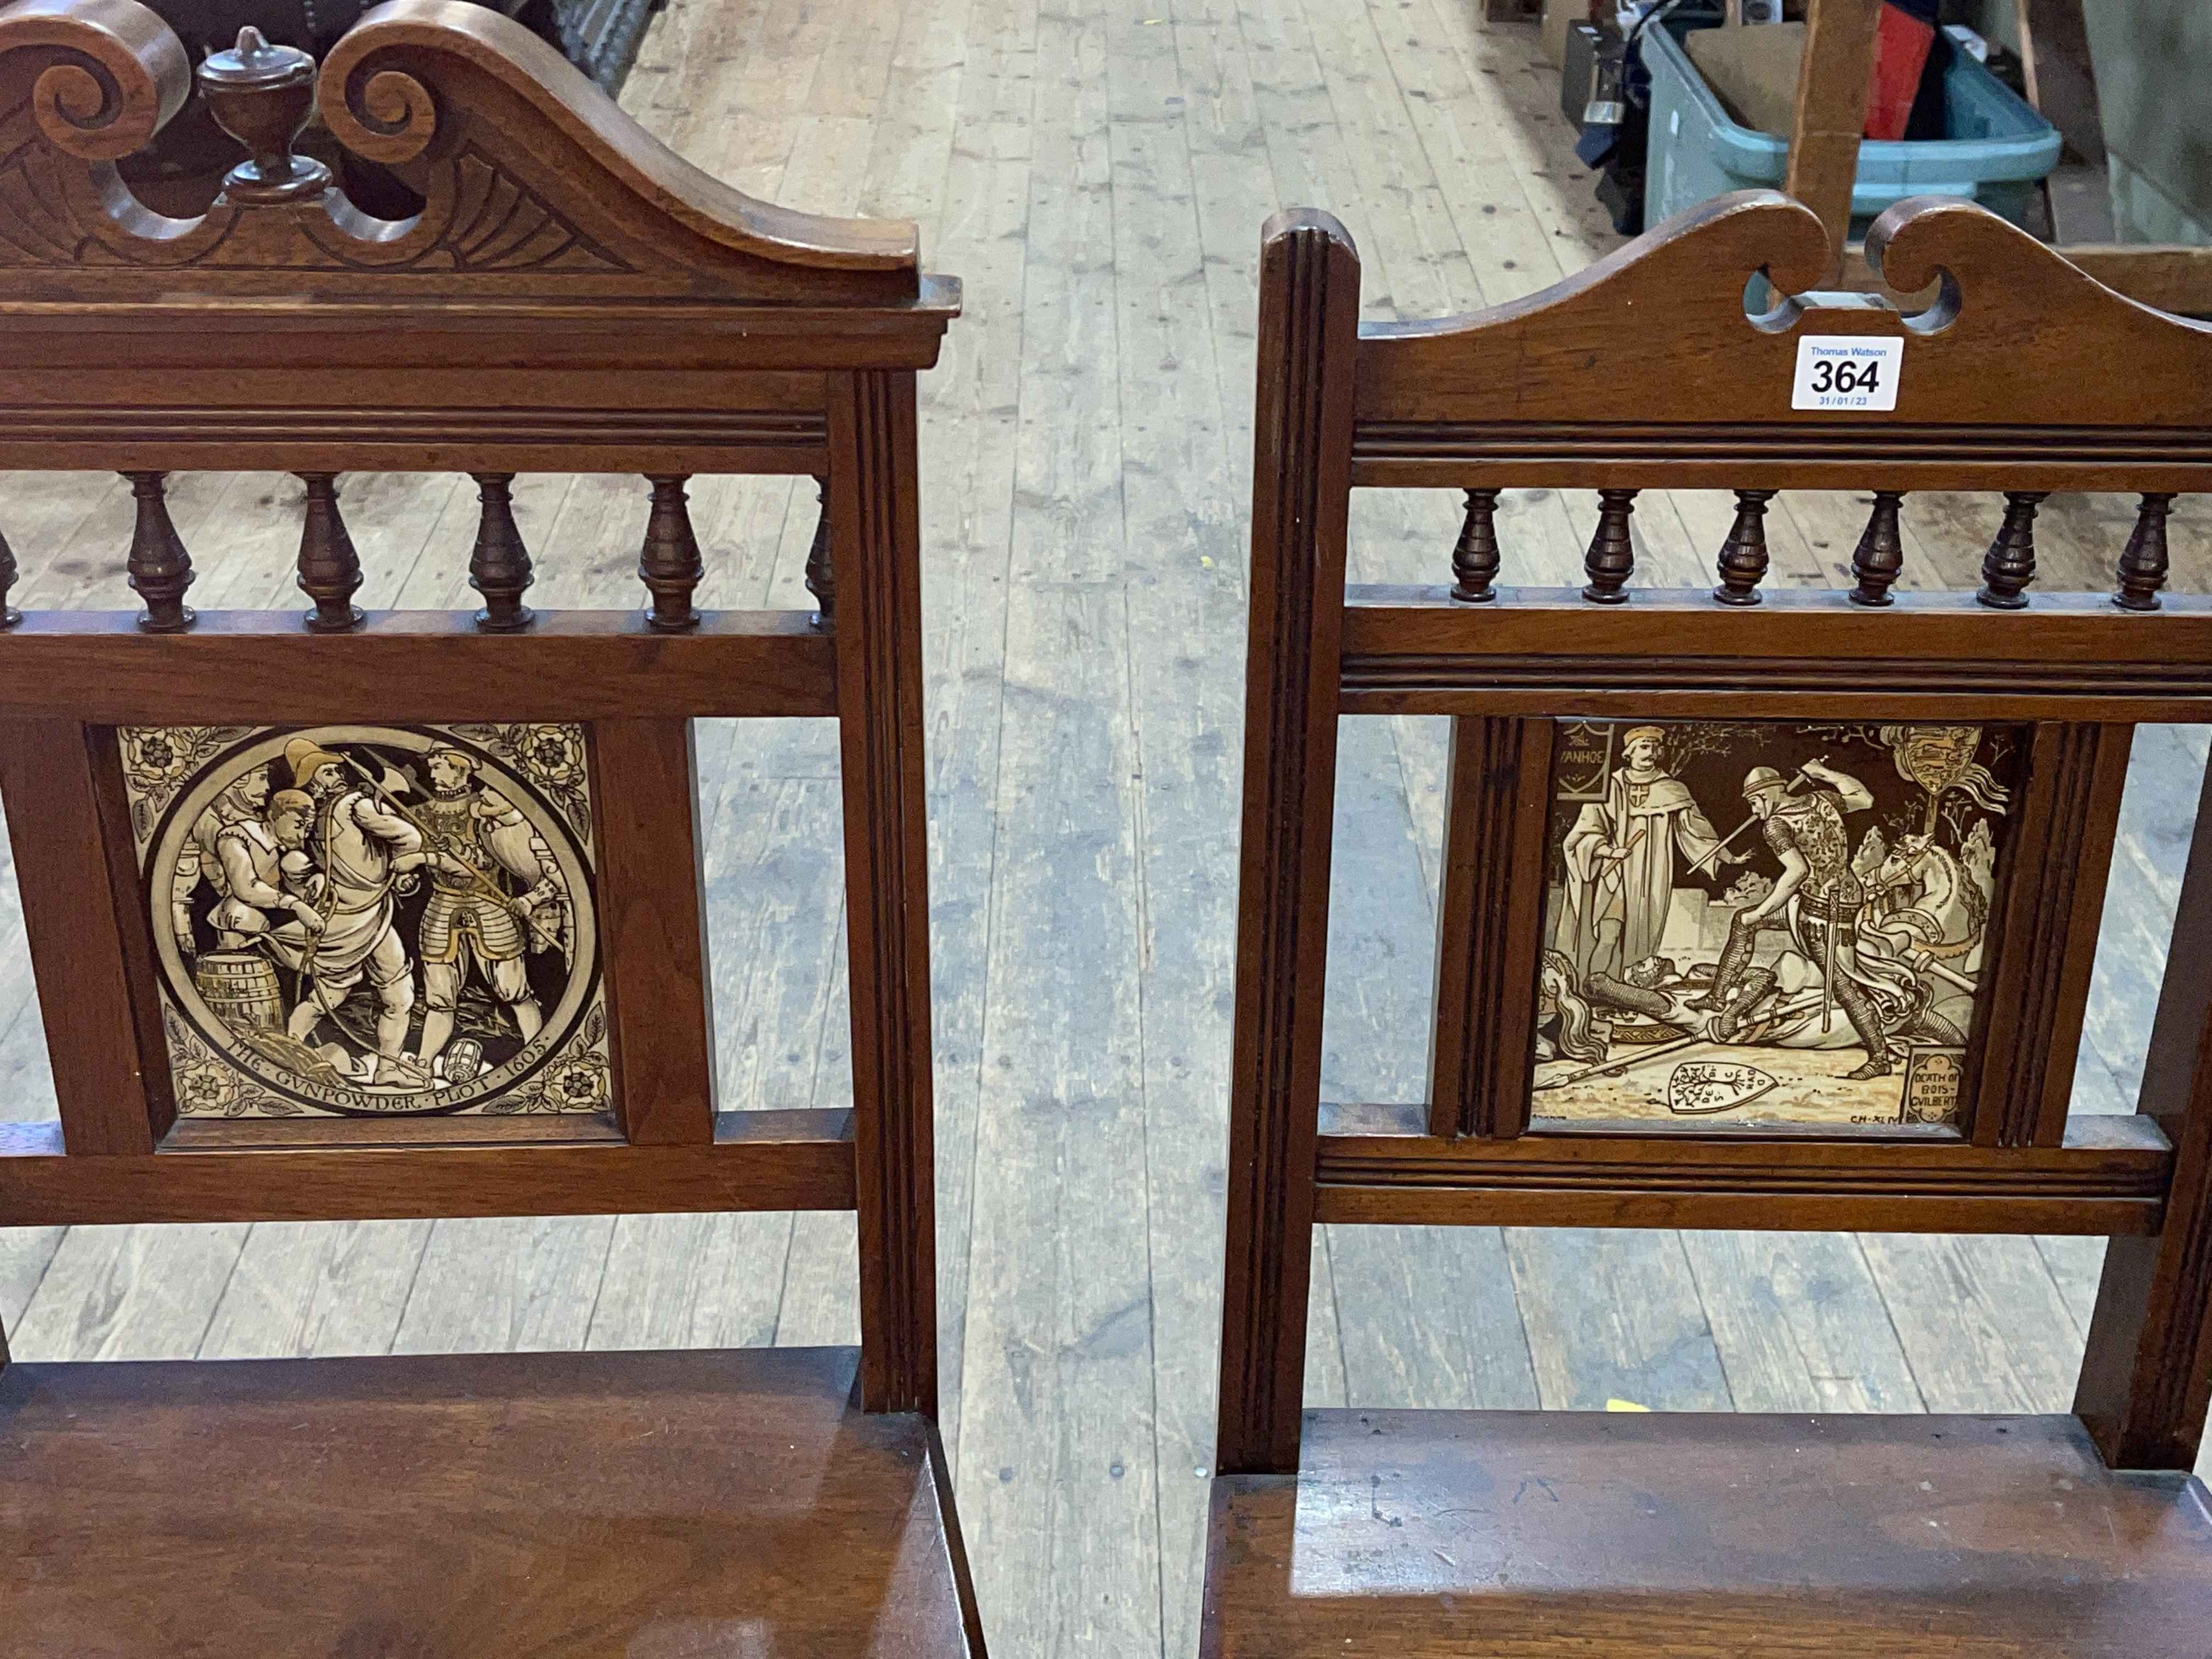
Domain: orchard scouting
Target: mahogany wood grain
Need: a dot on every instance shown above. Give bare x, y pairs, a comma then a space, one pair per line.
415, 665
1495, 814
2147, 1375
653, 921
1879, 558
721, 1502
2172, 276
669, 562
2109, 1176
160, 568
455, 99
1467, 454
2143, 562
1476, 557
1498, 378
1302, 429
1815, 655
330, 567
873, 508
1608, 1536
95, 992
784, 1160
500, 566
2042, 937
1743, 561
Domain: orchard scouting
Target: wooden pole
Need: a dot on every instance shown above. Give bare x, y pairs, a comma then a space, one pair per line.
1832, 99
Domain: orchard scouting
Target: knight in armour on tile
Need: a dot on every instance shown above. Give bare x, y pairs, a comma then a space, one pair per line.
1817, 902
1821, 962
480, 855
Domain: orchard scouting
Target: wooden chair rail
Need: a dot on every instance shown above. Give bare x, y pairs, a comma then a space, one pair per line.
2008, 567
1696, 375
1471, 455
781, 1160
2109, 1176
2071, 656
265, 667
501, 569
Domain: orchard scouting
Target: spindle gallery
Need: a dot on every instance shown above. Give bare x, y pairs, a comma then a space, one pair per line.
337, 912
1761, 907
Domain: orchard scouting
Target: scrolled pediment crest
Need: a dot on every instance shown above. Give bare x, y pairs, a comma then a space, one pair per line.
533, 183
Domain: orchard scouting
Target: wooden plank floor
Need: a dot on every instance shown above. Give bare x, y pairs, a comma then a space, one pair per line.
1097, 171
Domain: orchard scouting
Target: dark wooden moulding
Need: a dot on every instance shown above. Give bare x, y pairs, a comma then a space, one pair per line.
1646, 370
572, 297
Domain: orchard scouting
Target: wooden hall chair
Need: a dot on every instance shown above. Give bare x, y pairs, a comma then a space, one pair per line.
1761, 908
337, 915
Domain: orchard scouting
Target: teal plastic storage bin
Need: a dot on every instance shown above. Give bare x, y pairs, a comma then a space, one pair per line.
1998, 150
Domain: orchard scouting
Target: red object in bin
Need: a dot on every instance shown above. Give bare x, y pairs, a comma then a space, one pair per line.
1901, 46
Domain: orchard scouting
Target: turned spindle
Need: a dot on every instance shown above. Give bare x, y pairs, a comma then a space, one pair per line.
2142, 564
821, 576
1474, 555
669, 564
500, 568
263, 95
1742, 562
2009, 565
8, 615
1611, 560
161, 570
330, 569
1881, 552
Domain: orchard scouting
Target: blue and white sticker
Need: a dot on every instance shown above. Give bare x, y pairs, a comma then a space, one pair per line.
1847, 372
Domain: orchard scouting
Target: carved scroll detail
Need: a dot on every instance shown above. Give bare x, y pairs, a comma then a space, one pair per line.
525, 169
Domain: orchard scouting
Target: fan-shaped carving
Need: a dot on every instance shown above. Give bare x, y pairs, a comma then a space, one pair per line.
36, 227
534, 184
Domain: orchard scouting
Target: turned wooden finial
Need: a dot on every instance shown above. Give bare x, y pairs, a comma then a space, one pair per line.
1743, 564
1881, 552
500, 568
821, 576
8, 615
2009, 565
1474, 556
669, 564
1611, 560
2142, 564
263, 95
330, 569
161, 570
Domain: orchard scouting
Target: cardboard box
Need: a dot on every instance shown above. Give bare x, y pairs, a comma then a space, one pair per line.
1754, 71
1558, 14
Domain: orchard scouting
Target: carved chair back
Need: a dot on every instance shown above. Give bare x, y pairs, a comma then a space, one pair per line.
336, 915
1760, 908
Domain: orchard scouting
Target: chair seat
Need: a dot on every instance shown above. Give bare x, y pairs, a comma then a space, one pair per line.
1513, 1534
729, 1504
